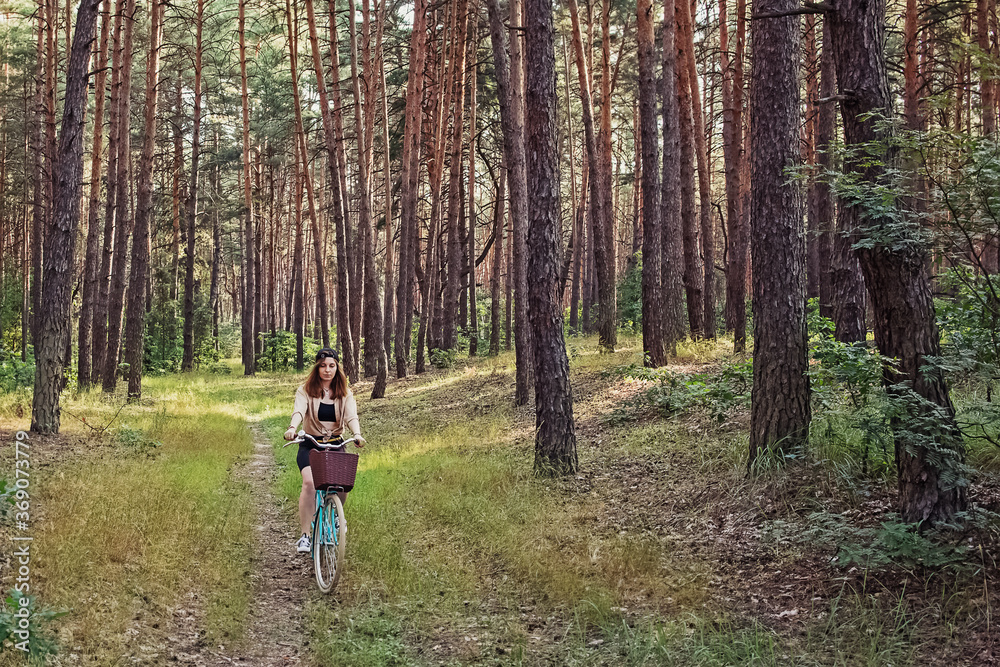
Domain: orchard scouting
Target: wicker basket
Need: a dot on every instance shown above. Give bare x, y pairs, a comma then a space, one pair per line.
333, 468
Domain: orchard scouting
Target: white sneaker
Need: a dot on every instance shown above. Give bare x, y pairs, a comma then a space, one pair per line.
304, 545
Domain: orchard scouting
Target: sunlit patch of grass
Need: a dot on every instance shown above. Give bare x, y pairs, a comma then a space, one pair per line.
124, 531
703, 350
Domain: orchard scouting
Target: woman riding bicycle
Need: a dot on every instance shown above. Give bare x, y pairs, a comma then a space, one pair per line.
324, 404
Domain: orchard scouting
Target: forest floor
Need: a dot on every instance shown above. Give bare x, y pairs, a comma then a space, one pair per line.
167, 531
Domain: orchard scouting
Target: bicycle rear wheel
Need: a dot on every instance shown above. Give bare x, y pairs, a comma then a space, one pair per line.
329, 539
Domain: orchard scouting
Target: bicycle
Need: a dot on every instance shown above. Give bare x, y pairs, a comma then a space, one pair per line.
331, 477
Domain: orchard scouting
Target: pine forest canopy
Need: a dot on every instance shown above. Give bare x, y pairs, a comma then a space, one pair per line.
272, 176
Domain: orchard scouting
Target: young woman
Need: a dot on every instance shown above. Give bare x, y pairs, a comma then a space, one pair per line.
324, 404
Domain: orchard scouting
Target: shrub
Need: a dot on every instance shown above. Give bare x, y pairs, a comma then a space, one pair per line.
719, 393
39, 642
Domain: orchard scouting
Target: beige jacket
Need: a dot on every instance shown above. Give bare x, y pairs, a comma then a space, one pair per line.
306, 412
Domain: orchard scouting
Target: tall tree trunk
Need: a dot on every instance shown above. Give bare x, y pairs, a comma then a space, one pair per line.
654, 350
811, 108
671, 248
187, 362
704, 185
911, 75
693, 274
826, 127
508, 73
471, 233
213, 292
38, 209
135, 317
333, 148
100, 317
850, 304
498, 255
409, 238
249, 361
604, 242
352, 290
374, 349
732, 148
430, 331
298, 266
576, 207
388, 319
60, 241
347, 357
518, 190
929, 449
555, 432
93, 257
178, 170
123, 214
599, 208
452, 287
780, 409
260, 235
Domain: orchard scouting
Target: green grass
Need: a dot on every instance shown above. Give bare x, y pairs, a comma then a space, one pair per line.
457, 553
147, 512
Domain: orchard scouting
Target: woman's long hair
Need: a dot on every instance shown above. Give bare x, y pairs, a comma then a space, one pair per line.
314, 384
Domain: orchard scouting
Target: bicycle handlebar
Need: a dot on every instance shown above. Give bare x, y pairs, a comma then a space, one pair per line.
302, 436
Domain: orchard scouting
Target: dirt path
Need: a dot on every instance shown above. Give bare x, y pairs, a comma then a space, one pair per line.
280, 581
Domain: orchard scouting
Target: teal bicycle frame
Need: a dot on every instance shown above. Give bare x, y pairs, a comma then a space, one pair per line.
330, 529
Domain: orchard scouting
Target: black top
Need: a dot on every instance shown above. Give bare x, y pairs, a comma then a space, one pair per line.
327, 412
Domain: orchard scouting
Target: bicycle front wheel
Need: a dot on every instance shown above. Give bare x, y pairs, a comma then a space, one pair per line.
328, 542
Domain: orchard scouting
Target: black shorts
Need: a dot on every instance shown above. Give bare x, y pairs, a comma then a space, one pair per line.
302, 458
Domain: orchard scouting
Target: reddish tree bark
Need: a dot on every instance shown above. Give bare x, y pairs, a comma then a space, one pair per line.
187, 362
512, 119
248, 343
123, 208
135, 317
409, 239
732, 148
92, 261
455, 203
707, 222
693, 274
100, 316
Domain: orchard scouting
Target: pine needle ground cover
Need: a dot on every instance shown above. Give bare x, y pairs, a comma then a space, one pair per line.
661, 551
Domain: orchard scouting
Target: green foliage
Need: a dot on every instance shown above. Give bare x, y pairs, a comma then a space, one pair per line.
14, 373
847, 390
11, 307
630, 297
970, 323
891, 544
19, 611
443, 358
279, 350
134, 442
719, 392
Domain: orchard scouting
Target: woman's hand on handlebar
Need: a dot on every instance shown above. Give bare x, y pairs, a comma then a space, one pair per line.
290, 433
359, 441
